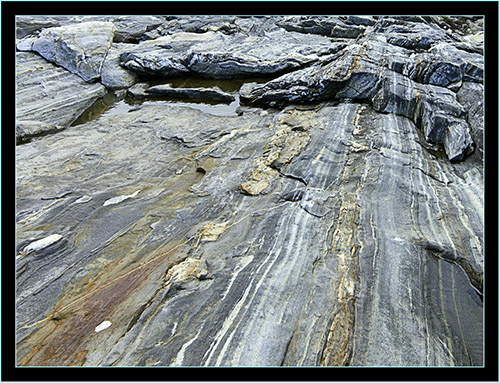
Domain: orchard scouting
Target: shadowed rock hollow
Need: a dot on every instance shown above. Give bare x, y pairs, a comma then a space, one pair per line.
257, 191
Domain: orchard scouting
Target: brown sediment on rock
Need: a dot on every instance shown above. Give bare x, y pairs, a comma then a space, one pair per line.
63, 339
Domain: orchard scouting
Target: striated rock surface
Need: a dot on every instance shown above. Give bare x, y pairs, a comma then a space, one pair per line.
216, 55
113, 75
80, 48
334, 218
391, 79
48, 98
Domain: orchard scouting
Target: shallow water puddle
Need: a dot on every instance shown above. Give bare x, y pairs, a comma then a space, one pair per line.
115, 103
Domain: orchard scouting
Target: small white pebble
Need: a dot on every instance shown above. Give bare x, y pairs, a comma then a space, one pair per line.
103, 326
83, 199
42, 243
115, 200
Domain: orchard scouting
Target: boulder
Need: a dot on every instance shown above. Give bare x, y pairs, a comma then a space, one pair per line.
49, 95
215, 55
113, 75
80, 48
211, 94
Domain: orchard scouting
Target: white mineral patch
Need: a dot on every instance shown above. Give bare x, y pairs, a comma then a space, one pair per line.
83, 199
103, 326
115, 200
42, 243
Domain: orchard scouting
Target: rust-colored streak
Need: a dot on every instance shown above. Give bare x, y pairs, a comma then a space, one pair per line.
65, 344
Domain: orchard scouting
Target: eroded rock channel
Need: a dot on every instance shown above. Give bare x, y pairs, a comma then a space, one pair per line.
249, 191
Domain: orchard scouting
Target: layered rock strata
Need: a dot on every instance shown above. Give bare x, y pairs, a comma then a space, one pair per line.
336, 219
48, 98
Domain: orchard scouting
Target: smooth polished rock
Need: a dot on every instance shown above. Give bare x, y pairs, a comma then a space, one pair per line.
48, 97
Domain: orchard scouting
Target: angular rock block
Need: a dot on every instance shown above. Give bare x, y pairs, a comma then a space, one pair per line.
80, 48
49, 95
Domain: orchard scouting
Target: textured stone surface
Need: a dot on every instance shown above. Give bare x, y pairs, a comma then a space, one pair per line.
327, 25
113, 75
216, 55
334, 218
373, 71
48, 96
211, 94
80, 48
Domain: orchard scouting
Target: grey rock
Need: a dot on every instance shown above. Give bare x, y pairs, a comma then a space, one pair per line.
360, 20
128, 29
240, 55
26, 130
216, 55
113, 75
471, 64
80, 48
213, 94
257, 25
201, 24
132, 29
411, 35
457, 140
163, 57
342, 225
470, 96
25, 44
27, 25
48, 97
138, 91
366, 72
348, 241
324, 25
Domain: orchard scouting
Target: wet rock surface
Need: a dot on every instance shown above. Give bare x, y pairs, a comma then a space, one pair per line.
330, 215
48, 96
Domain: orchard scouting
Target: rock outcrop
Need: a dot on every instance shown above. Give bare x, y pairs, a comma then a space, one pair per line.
80, 48
216, 55
48, 98
334, 218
